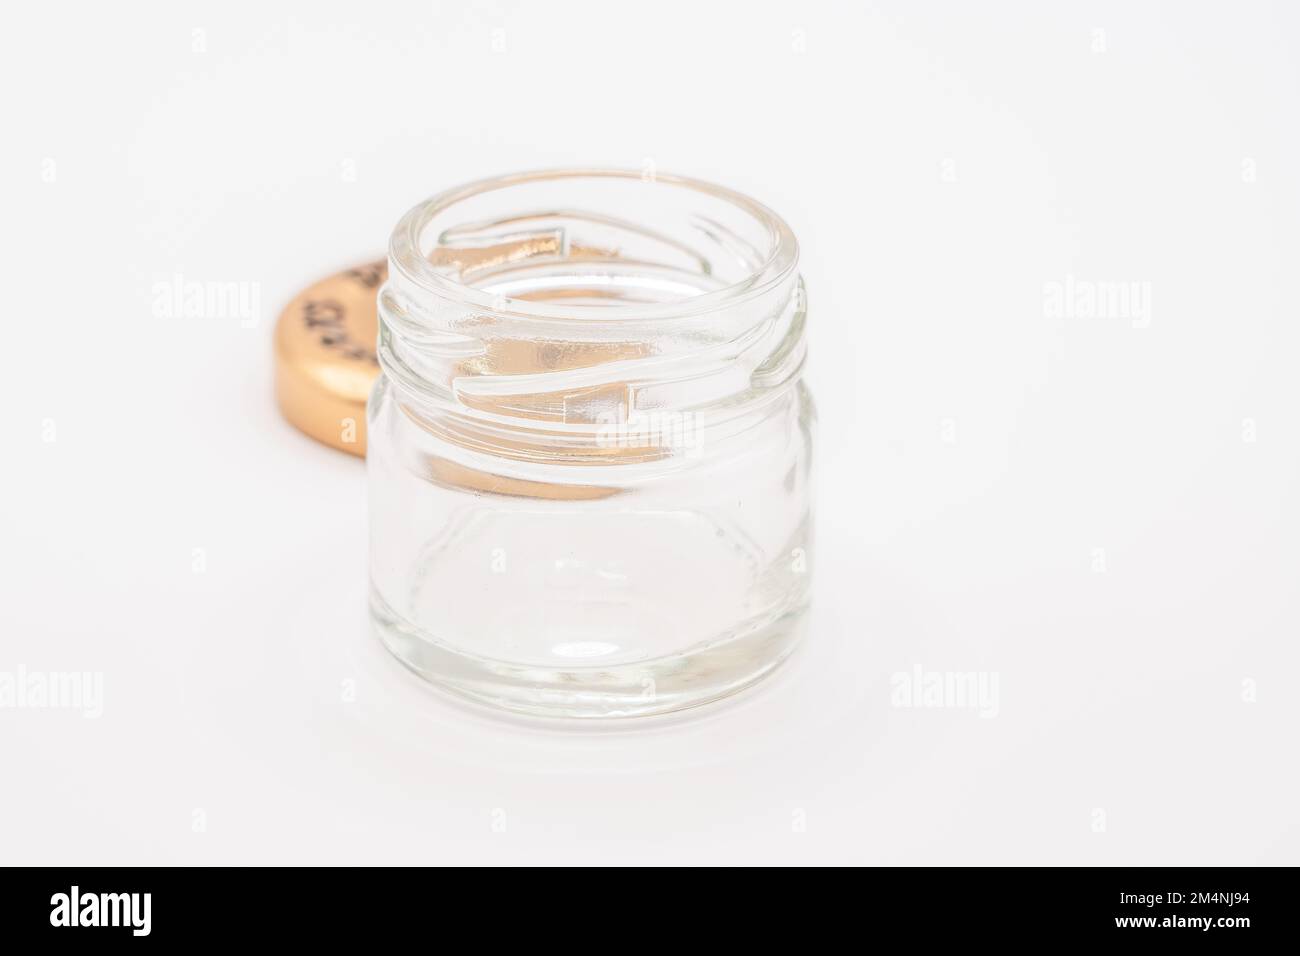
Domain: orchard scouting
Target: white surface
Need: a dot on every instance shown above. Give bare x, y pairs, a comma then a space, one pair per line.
940, 165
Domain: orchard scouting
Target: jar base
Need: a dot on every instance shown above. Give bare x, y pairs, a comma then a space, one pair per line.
699, 675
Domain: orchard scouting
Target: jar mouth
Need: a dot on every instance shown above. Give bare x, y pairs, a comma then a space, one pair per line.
721, 249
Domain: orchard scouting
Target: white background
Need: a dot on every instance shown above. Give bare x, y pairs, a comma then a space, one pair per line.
1099, 511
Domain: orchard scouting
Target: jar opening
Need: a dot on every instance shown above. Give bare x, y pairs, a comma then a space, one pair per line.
603, 245
532, 314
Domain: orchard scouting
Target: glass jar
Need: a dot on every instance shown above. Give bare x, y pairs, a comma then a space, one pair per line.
589, 449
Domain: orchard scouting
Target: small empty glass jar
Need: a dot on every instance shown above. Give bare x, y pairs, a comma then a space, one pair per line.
589, 449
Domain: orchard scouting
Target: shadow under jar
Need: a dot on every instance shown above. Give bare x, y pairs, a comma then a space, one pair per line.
589, 449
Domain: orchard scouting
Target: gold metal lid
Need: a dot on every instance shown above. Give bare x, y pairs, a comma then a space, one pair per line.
325, 357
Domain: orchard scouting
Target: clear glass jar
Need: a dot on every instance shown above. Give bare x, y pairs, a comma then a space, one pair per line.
589, 450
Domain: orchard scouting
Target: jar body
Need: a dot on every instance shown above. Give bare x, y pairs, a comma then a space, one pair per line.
599, 561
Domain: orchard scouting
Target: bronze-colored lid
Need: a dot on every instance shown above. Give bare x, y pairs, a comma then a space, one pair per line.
325, 357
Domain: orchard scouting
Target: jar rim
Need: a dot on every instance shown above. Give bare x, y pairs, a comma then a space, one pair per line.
405, 254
